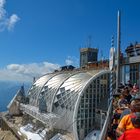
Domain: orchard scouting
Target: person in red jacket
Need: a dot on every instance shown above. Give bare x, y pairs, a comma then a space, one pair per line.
133, 134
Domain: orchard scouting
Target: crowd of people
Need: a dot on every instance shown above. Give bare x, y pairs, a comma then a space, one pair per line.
125, 123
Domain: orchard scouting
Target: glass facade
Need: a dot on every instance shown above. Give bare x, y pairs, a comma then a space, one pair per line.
125, 73
50, 88
130, 68
134, 73
91, 98
130, 72
74, 96
36, 89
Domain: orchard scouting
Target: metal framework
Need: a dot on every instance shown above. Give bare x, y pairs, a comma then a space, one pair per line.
71, 98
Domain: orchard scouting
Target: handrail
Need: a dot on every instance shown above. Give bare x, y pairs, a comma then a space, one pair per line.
103, 133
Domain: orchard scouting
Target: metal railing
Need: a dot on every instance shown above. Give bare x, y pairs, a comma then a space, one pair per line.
106, 123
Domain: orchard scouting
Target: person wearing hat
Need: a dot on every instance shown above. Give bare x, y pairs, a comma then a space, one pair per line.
133, 134
125, 123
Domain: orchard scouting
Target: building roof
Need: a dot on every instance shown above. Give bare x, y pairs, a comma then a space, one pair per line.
61, 89
88, 49
62, 92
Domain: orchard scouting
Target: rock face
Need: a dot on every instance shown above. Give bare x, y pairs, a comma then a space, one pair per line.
7, 135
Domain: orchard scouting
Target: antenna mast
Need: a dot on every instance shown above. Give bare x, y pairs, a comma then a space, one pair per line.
118, 50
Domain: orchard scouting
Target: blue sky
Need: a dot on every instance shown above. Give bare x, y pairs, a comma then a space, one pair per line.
37, 36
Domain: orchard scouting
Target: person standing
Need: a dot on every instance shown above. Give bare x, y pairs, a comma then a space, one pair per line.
126, 123
133, 134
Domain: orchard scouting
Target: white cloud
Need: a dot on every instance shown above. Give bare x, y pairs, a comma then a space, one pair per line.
26, 72
2, 10
2, 2
5, 21
71, 60
12, 21
68, 62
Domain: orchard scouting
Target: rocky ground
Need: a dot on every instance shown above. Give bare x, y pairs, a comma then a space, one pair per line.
7, 135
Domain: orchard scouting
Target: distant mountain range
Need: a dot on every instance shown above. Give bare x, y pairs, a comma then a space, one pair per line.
7, 91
